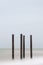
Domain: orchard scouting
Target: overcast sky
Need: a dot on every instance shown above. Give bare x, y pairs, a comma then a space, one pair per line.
21, 16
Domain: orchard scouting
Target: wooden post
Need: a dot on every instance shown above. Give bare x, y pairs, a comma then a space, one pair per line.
12, 46
30, 46
23, 46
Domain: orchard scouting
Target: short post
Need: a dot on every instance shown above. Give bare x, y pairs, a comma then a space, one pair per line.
12, 46
30, 46
23, 46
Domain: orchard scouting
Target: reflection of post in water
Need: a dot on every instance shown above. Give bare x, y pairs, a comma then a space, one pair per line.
23, 46
12, 46
31, 46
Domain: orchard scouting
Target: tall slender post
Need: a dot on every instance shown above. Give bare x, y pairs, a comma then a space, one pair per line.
12, 46
30, 46
23, 46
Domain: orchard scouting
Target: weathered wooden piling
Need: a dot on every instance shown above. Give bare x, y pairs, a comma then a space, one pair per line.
12, 46
23, 46
30, 46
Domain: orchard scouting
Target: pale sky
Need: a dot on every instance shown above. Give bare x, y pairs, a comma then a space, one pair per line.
21, 16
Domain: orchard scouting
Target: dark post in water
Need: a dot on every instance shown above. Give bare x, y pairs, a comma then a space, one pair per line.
30, 46
12, 46
23, 46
